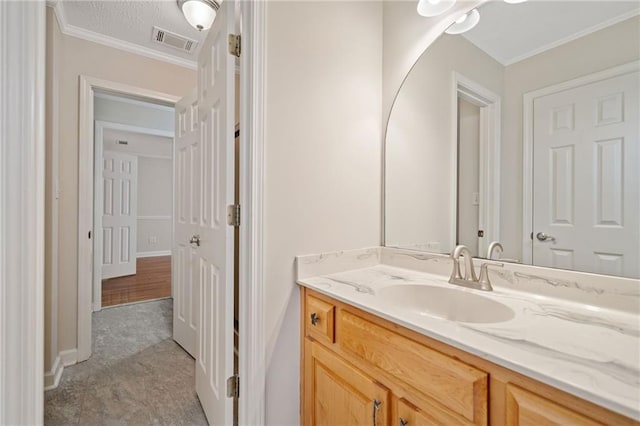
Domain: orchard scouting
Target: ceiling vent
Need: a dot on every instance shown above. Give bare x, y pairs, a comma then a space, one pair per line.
173, 40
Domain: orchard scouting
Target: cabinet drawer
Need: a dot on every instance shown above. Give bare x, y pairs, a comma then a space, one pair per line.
319, 321
459, 387
525, 408
410, 415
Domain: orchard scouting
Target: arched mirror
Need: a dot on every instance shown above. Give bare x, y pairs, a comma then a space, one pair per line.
523, 130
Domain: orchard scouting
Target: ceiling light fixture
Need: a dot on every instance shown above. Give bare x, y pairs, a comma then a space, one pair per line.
429, 8
199, 13
514, 1
464, 23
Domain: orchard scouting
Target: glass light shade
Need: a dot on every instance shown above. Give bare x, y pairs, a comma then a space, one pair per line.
429, 8
199, 14
464, 23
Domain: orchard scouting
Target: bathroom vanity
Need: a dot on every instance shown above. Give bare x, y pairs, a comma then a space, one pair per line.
384, 345
519, 140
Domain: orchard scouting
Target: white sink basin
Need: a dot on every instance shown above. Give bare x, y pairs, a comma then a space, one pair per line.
446, 303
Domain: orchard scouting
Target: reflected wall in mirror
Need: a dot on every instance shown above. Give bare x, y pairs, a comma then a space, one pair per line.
524, 130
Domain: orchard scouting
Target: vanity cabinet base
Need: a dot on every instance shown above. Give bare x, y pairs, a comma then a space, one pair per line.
360, 369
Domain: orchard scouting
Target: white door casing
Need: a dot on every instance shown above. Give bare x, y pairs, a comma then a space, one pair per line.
216, 98
119, 214
185, 269
586, 179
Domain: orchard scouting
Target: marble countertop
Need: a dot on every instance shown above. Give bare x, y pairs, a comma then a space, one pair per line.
589, 351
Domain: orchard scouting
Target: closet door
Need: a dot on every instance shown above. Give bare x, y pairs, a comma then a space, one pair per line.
119, 214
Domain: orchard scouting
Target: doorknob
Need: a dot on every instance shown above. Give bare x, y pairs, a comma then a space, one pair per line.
541, 236
195, 240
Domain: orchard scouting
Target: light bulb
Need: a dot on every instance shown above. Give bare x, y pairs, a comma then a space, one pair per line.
199, 14
429, 8
464, 23
461, 19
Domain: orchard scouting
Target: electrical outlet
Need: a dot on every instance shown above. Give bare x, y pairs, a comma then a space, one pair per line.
153, 240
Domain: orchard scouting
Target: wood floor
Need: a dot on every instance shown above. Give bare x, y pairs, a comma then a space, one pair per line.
151, 281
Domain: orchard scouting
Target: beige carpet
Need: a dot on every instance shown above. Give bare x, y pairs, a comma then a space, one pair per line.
137, 375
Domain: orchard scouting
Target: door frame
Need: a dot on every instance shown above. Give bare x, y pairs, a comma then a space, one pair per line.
489, 161
100, 127
527, 143
22, 211
86, 153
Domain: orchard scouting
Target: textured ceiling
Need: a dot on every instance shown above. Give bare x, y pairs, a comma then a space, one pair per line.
510, 32
133, 21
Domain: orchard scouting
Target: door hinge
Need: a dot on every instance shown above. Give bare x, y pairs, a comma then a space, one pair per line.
89, 234
233, 215
480, 233
233, 387
234, 45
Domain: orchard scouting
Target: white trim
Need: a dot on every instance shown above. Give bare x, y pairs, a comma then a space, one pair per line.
527, 143
135, 102
98, 142
62, 360
22, 189
88, 85
154, 217
570, 38
143, 254
252, 366
105, 40
134, 129
52, 378
489, 161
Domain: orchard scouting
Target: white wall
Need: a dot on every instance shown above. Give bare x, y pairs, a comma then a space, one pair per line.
421, 144
125, 111
155, 186
323, 161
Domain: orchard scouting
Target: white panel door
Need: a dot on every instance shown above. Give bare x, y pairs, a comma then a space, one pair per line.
119, 214
587, 178
186, 224
214, 353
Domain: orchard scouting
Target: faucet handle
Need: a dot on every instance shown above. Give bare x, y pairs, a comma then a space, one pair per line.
484, 273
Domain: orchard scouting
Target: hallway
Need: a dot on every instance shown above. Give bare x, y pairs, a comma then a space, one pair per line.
137, 375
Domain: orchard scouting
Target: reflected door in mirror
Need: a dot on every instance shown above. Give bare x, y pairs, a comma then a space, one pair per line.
587, 179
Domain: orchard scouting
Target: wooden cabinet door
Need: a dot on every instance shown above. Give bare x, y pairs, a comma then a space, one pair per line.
339, 394
526, 408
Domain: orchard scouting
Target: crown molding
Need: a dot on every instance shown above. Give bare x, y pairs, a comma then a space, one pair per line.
105, 40
570, 38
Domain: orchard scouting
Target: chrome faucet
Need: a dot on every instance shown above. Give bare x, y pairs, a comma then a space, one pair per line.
492, 247
470, 279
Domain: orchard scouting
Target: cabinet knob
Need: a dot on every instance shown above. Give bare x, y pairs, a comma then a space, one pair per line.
314, 318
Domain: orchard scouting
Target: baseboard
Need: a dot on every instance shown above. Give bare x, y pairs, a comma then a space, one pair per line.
52, 378
153, 253
64, 359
